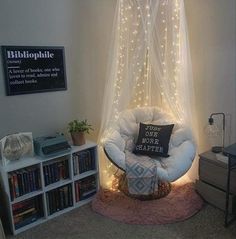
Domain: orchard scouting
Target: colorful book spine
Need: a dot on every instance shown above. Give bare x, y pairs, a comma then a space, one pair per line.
27, 211
59, 199
83, 161
56, 171
24, 181
86, 187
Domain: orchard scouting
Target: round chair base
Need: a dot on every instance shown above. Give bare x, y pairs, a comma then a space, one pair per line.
163, 189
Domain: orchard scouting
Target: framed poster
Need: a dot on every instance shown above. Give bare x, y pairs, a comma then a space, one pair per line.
33, 69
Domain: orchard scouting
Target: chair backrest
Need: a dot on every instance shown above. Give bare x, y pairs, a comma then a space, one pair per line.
124, 134
128, 122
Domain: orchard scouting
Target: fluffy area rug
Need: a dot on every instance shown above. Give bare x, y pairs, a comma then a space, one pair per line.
181, 203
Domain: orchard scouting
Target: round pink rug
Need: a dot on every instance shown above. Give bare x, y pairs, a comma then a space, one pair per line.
181, 203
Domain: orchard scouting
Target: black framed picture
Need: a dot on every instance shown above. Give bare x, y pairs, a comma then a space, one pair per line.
33, 69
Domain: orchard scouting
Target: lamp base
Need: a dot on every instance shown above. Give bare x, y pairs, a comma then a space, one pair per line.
217, 149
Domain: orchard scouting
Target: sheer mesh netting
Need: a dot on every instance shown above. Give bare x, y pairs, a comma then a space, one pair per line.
149, 64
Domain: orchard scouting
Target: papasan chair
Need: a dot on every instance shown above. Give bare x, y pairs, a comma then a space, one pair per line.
124, 133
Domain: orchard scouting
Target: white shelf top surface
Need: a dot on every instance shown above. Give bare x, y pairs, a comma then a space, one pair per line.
29, 161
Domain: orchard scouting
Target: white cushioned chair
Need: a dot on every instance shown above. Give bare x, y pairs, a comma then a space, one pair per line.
125, 132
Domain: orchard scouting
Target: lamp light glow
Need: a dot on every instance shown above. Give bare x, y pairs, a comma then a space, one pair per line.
213, 131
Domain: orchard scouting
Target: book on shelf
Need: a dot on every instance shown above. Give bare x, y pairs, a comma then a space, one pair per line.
83, 161
85, 188
26, 180
27, 211
77, 195
23, 181
59, 199
30, 219
56, 171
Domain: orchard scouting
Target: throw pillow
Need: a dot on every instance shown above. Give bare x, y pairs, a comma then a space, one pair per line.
153, 140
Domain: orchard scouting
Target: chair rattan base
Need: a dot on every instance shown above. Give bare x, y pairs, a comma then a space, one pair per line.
163, 189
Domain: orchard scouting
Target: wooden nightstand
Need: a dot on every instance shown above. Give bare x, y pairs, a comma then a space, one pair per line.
213, 181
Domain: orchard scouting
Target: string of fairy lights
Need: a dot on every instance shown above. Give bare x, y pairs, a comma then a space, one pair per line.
134, 30
170, 53
134, 63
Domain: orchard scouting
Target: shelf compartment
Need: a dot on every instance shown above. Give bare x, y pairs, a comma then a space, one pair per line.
59, 199
56, 170
84, 161
24, 181
85, 188
27, 212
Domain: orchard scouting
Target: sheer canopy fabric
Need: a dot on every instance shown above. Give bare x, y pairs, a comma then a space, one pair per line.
149, 63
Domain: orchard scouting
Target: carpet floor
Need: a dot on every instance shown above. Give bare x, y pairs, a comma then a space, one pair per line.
84, 223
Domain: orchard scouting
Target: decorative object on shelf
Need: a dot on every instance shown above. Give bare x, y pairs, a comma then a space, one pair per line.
77, 130
214, 133
51, 145
15, 146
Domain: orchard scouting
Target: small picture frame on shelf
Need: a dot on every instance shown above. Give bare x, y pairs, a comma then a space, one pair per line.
16, 146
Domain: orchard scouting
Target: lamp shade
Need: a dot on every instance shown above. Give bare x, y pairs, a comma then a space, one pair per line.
216, 133
214, 136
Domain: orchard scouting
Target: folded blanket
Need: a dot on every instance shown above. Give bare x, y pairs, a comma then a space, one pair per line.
141, 174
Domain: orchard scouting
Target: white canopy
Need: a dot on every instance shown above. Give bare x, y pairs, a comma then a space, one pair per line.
149, 63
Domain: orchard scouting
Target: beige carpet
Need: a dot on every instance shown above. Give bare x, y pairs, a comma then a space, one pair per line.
83, 223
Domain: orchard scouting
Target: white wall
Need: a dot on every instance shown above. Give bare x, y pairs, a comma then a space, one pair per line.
212, 32
42, 23
95, 20
83, 27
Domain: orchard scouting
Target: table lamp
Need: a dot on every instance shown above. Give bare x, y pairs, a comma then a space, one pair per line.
213, 131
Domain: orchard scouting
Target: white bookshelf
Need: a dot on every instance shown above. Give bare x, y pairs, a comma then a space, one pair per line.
37, 189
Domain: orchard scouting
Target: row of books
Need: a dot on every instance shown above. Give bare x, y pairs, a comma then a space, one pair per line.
59, 199
85, 188
56, 171
27, 211
24, 181
83, 161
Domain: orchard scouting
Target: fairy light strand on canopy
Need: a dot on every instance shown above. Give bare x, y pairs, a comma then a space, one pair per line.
149, 65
